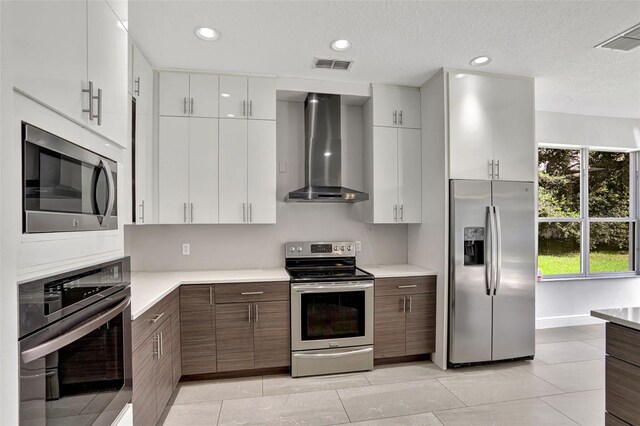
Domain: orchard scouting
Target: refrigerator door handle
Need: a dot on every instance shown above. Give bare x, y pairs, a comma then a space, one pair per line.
498, 241
488, 250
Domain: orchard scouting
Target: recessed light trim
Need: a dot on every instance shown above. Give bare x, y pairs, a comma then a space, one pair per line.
207, 33
480, 61
341, 45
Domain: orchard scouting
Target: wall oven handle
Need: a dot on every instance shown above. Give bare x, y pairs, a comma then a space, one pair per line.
111, 191
74, 334
334, 355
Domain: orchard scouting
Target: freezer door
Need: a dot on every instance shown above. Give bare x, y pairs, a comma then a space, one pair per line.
514, 298
470, 304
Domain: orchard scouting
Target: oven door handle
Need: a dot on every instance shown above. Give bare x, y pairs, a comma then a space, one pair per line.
75, 333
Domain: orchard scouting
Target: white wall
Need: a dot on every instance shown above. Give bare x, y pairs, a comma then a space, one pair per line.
158, 247
569, 302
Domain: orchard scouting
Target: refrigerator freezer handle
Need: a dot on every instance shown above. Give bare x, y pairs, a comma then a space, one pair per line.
498, 242
488, 250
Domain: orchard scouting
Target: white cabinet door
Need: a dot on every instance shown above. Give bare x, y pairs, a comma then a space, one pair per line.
107, 68
203, 170
385, 175
47, 42
232, 169
174, 94
470, 126
409, 108
130, 61
233, 96
410, 175
143, 93
262, 98
173, 170
386, 101
513, 129
262, 171
203, 92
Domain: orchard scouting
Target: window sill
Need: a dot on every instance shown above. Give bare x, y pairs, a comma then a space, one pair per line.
589, 278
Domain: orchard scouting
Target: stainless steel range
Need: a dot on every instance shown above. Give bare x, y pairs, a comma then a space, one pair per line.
331, 309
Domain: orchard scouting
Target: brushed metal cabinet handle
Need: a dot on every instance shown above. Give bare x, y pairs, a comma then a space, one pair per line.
191, 212
401, 117
490, 169
244, 108
157, 317
210, 296
99, 115
244, 214
191, 106
497, 169
156, 346
249, 293
404, 305
250, 212
184, 105
141, 211
137, 89
395, 117
250, 108
395, 212
90, 92
161, 348
249, 312
401, 212
408, 286
185, 213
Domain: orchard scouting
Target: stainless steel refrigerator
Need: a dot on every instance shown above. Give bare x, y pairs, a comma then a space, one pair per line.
492, 271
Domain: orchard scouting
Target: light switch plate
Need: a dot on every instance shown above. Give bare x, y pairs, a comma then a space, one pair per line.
358, 245
186, 249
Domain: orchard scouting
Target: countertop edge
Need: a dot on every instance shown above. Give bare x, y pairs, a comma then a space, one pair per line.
616, 320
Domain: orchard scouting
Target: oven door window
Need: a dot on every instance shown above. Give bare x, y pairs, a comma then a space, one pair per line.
332, 315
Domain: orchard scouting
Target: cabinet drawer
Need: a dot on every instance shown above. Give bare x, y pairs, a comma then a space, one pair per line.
251, 292
405, 285
623, 343
622, 390
149, 321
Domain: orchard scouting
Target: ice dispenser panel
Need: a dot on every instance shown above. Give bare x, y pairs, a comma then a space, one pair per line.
473, 246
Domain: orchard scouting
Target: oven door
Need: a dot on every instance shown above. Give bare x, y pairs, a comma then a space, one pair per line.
331, 315
77, 371
66, 187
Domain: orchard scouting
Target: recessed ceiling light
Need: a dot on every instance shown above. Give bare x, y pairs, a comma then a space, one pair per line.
480, 61
341, 45
207, 34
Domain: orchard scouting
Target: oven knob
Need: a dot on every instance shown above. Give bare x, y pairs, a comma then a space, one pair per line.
348, 248
335, 248
292, 249
299, 248
341, 248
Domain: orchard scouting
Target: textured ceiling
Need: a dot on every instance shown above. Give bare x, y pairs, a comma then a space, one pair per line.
405, 42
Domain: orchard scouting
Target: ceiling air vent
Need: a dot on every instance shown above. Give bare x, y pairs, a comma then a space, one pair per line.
332, 64
627, 40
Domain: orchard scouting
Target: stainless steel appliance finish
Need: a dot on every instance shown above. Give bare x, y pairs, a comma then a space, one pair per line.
75, 344
65, 187
323, 154
331, 309
492, 271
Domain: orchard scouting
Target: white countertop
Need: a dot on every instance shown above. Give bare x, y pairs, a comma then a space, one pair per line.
397, 270
148, 288
628, 317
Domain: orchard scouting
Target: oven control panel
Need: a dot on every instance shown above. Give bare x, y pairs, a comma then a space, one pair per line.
320, 249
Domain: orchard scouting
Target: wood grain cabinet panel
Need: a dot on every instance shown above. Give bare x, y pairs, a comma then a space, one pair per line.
198, 332
622, 343
271, 334
622, 390
405, 316
163, 368
251, 292
234, 336
389, 335
144, 383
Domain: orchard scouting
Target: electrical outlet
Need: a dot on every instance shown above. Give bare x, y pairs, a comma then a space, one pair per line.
186, 249
358, 245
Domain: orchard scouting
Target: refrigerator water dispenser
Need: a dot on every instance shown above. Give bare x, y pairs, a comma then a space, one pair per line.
473, 246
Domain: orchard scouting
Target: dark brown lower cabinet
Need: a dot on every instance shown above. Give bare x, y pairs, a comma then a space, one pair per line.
234, 334
405, 316
197, 328
271, 334
163, 367
622, 383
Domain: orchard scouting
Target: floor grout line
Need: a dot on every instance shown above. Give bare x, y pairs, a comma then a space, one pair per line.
342, 403
561, 413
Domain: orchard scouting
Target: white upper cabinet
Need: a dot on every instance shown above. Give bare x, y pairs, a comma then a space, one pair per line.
491, 127
188, 170
410, 175
107, 70
247, 97
183, 95
247, 171
396, 106
384, 188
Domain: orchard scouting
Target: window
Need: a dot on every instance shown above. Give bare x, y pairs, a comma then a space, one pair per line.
586, 212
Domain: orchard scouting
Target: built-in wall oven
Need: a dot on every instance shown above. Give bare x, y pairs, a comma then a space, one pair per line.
65, 187
331, 309
75, 346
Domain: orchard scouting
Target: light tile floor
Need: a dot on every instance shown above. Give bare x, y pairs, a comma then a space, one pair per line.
564, 385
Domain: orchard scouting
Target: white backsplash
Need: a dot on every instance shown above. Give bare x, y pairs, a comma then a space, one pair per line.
159, 247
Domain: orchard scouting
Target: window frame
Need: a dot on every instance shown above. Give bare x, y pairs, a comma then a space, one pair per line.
585, 220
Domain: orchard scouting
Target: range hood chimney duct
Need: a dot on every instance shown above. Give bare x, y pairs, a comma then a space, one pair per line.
323, 154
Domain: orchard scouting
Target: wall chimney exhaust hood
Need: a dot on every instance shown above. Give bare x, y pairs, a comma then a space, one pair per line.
323, 154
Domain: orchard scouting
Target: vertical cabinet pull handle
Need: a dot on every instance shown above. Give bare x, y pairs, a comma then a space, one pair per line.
395, 117
191, 106
249, 312
137, 89
244, 214
161, 345
156, 346
244, 106
210, 296
250, 212
141, 211
401, 212
490, 168
99, 107
401, 117
497, 169
185, 213
191, 212
410, 304
256, 313
90, 92
250, 108
404, 305
184, 105
395, 212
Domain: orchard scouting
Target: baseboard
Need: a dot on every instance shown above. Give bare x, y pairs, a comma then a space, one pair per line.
566, 321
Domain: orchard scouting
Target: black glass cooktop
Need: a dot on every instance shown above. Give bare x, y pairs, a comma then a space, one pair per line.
328, 274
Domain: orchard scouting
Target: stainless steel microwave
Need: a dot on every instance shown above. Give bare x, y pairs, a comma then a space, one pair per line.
65, 187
